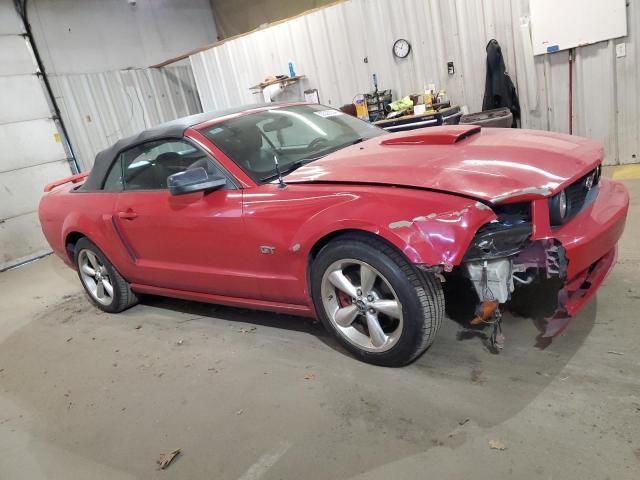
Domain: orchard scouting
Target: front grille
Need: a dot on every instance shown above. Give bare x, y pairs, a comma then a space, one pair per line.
577, 192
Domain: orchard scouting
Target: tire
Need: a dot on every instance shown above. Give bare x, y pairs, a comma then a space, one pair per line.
87, 257
408, 326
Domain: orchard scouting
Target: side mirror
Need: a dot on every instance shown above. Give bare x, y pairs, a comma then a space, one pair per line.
194, 180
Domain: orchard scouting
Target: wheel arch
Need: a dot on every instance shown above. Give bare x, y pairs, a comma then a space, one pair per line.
99, 231
70, 241
428, 228
421, 291
326, 239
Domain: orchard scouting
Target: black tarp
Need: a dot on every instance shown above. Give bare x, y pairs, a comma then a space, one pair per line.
499, 90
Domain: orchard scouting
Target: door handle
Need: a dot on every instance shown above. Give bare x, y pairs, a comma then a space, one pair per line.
128, 215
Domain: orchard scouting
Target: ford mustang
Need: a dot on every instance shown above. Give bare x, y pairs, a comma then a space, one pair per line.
301, 209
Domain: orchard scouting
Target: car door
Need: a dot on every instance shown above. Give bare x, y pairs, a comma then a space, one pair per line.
192, 242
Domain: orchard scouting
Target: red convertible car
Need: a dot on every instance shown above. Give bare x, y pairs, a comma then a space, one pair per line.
302, 209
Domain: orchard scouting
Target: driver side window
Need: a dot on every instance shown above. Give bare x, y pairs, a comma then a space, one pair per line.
147, 166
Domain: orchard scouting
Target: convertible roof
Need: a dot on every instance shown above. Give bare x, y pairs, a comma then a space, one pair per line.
172, 129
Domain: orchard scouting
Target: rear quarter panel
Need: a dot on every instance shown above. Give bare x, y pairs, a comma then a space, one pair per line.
65, 211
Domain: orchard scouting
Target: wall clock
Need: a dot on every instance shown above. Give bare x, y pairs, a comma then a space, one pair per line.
401, 48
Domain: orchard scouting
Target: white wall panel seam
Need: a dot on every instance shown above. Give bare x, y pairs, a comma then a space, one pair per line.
41, 117
30, 166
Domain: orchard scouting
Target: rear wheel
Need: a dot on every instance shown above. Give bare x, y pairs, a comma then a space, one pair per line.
104, 285
380, 307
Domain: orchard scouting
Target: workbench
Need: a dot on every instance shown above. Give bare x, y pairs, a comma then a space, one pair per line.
445, 116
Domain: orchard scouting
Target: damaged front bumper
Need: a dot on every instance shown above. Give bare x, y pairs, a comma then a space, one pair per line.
576, 292
590, 246
577, 255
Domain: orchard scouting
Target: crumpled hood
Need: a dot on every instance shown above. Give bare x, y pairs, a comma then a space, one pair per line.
494, 165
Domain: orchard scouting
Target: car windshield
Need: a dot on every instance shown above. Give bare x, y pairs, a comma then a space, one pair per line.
294, 135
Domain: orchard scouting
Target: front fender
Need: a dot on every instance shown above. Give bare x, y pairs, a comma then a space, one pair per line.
430, 228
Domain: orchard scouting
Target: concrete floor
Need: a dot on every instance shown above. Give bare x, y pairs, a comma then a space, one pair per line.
254, 395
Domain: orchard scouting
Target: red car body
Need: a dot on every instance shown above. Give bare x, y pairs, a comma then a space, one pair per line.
427, 192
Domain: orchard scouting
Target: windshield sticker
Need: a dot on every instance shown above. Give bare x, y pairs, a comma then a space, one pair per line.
328, 113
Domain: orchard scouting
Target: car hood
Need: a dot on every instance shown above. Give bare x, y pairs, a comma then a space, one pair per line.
492, 164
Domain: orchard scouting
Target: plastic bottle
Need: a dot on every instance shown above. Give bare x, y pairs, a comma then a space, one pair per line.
428, 99
362, 112
292, 72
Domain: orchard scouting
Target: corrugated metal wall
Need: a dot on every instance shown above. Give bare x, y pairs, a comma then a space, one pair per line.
100, 108
330, 47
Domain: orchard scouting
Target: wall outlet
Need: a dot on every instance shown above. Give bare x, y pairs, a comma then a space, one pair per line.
621, 50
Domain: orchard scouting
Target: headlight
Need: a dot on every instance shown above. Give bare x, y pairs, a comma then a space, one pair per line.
562, 204
505, 236
597, 175
496, 240
558, 208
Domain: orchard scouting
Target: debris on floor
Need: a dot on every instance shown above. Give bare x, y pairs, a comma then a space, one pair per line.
613, 352
166, 458
477, 375
240, 412
462, 422
309, 376
497, 445
247, 330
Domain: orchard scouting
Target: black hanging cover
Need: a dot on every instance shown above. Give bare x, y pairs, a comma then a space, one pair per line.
499, 90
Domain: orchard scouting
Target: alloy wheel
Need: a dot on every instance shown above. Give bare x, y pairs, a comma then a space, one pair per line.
362, 305
95, 277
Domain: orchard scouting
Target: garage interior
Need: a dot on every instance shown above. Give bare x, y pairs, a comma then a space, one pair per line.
233, 393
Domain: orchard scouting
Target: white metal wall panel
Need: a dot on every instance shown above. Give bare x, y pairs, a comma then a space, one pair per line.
627, 86
92, 36
100, 108
35, 139
22, 98
21, 239
15, 59
32, 153
22, 188
9, 21
330, 45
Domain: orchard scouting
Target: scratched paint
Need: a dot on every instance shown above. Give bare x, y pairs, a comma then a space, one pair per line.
444, 217
543, 192
482, 206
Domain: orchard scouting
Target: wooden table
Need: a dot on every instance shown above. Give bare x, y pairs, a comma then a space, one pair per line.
445, 116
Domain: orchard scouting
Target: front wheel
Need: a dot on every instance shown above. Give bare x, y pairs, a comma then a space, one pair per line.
106, 288
380, 307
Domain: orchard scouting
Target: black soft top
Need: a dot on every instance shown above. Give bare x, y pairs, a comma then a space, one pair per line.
172, 129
